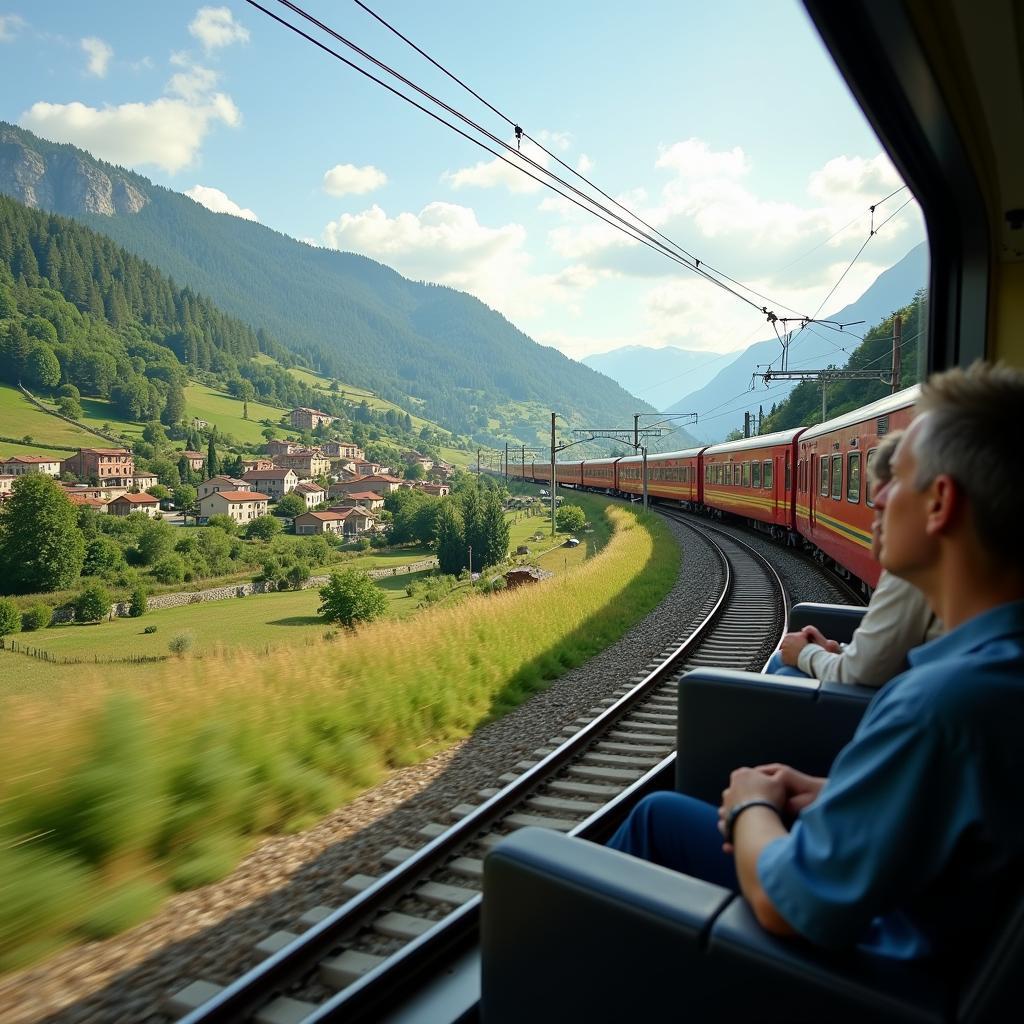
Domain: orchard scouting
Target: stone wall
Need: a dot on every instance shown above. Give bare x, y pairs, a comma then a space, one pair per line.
121, 608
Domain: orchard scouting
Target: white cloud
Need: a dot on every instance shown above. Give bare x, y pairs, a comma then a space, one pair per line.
694, 159
10, 26
166, 133
217, 201
507, 173
192, 84
215, 27
145, 64
99, 54
347, 179
584, 165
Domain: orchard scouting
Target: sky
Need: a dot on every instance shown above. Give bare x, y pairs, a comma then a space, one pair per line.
725, 126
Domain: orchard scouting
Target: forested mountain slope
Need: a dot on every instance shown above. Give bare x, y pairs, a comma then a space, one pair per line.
353, 318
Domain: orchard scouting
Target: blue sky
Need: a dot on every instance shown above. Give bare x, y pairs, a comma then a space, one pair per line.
725, 125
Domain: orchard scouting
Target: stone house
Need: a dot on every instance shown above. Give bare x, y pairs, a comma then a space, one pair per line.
196, 460
107, 465
368, 499
307, 462
99, 504
437, 490
143, 481
314, 494
20, 465
278, 447
222, 483
416, 459
274, 482
126, 504
241, 506
250, 464
379, 484
347, 521
342, 450
309, 419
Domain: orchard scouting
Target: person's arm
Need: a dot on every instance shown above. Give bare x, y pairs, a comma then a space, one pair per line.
753, 830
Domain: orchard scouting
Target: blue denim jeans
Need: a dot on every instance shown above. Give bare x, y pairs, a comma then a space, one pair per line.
776, 668
677, 832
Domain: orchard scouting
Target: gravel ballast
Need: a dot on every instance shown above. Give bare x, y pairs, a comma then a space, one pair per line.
210, 933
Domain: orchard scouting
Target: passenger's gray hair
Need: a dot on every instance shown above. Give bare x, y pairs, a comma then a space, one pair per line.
971, 434
880, 469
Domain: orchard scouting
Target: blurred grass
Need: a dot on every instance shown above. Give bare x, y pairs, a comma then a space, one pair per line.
123, 784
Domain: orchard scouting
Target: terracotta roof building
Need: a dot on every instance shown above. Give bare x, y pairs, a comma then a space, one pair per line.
108, 465
309, 419
241, 506
20, 465
126, 504
274, 482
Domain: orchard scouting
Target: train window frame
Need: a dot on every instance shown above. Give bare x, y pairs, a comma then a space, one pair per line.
837, 478
868, 496
755, 474
746, 474
853, 493
825, 463
789, 472
768, 474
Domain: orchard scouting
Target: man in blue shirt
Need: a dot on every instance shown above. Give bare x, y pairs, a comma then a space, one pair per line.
905, 848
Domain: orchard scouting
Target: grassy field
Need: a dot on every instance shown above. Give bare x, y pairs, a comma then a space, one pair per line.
100, 413
125, 783
225, 413
19, 417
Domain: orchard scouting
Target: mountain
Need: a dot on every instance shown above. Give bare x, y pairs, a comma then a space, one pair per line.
461, 363
721, 403
657, 375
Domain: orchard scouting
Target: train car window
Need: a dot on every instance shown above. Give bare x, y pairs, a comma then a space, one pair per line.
824, 478
837, 477
853, 477
755, 474
728, 473
707, 473
746, 474
768, 475
867, 484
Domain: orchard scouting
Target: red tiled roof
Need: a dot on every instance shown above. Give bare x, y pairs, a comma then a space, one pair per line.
366, 495
137, 499
106, 451
33, 459
193, 455
324, 517
266, 474
84, 499
309, 488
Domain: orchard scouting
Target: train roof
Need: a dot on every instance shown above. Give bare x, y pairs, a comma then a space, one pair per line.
762, 441
900, 400
686, 453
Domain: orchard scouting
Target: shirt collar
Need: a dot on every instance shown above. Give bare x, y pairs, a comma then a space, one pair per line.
1002, 621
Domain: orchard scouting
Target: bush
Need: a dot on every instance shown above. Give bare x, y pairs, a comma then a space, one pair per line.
297, 575
10, 617
351, 597
138, 604
39, 616
170, 569
263, 528
222, 522
92, 604
570, 519
363, 544
149, 629
180, 643
290, 505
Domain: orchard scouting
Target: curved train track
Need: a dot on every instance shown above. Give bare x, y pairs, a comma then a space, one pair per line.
351, 961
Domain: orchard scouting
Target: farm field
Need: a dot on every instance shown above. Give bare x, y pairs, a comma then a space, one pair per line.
225, 413
258, 622
19, 417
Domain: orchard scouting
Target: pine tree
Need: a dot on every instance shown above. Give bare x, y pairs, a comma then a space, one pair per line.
451, 539
212, 462
494, 530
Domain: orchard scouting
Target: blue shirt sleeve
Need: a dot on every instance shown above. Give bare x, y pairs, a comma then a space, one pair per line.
882, 829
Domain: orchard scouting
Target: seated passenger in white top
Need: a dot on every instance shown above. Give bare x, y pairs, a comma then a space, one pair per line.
897, 620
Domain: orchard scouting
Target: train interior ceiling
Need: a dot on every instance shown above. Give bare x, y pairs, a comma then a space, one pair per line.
941, 83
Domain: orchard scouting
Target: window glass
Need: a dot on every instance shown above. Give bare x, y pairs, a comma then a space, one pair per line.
728, 472
768, 475
853, 476
868, 498
824, 477
746, 474
707, 474
755, 475
837, 477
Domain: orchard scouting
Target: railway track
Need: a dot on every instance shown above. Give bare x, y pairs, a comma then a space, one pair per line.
351, 961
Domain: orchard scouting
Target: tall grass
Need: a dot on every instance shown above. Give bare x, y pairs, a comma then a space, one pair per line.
127, 785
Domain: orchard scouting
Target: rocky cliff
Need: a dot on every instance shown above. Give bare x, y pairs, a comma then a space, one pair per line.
63, 182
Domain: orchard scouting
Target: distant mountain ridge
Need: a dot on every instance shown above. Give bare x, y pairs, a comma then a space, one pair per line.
464, 365
720, 404
657, 375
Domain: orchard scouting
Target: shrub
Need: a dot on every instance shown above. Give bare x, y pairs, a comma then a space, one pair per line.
170, 569
149, 629
10, 617
138, 604
222, 522
180, 643
39, 616
363, 544
263, 528
570, 518
297, 575
351, 597
290, 505
92, 604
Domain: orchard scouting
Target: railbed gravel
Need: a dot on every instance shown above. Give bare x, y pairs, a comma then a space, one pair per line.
211, 933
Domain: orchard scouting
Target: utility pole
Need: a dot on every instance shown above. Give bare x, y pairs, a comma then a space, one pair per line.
746, 424
478, 462
470, 561
636, 435
824, 399
643, 452
897, 358
553, 445
506, 463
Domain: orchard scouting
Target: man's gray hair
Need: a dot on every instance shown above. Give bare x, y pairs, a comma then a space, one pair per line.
970, 433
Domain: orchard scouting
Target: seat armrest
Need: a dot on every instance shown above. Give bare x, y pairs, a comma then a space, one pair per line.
836, 621
566, 926
729, 719
807, 984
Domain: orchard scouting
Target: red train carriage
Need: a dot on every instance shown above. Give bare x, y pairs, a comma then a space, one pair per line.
600, 474
676, 475
569, 473
833, 502
630, 475
753, 477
